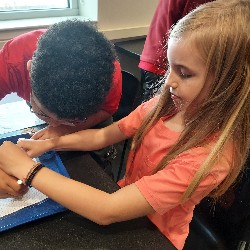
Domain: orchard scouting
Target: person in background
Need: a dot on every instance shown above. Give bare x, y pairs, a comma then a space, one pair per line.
153, 61
188, 143
70, 77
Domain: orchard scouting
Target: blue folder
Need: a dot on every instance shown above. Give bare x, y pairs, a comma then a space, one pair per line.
41, 209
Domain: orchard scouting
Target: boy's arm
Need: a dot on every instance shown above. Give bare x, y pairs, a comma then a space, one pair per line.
9, 187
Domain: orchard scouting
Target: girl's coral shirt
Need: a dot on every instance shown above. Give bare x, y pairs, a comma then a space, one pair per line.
164, 189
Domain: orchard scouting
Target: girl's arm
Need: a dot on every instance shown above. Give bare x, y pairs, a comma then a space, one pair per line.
85, 140
96, 205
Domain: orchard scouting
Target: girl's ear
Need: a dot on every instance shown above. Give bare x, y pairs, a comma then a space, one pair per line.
29, 66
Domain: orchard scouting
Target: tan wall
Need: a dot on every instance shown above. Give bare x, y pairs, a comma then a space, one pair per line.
127, 18
118, 19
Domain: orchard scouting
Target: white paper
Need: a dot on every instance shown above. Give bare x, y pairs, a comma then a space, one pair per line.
16, 116
11, 205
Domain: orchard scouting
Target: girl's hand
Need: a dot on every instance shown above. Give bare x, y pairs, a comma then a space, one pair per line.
14, 161
34, 148
9, 187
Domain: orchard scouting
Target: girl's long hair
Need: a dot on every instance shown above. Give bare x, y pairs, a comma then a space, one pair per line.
220, 30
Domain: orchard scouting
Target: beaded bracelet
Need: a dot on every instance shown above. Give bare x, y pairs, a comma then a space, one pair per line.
31, 170
32, 173
24, 180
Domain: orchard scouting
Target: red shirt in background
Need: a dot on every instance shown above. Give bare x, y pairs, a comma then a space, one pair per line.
167, 13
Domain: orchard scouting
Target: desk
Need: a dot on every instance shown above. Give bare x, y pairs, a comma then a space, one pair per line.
131, 47
129, 52
68, 230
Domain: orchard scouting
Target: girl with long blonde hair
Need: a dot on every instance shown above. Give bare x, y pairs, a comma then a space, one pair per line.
190, 142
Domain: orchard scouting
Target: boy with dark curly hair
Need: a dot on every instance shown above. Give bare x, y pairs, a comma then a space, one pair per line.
70, 77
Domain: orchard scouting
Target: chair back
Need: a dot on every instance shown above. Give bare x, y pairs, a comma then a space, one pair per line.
225, 225
130, 89
129, 101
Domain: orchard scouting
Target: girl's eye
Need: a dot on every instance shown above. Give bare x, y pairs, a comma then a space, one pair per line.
185, 75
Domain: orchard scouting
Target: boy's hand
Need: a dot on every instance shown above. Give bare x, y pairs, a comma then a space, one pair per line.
9, 187
14, 161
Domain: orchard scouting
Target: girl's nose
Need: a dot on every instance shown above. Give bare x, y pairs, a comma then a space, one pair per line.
171, 83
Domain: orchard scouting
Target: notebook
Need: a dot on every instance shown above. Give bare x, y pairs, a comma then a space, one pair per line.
33, 205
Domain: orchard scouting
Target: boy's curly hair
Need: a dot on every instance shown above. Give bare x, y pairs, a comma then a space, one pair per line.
72, 69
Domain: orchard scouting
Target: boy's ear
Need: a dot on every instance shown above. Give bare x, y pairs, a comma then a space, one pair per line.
29, 66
